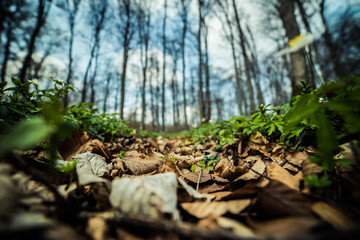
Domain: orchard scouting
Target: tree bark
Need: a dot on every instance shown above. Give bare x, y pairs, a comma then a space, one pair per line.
297, 59
183, 37
246, 59
71, 18
201, 99
40, 21
163, 68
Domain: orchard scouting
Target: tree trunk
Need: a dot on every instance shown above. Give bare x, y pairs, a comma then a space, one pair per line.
163, 68
41, 18
201, 99
183, 37
107, 91
246, 59
297, 59
207, 77
6, 53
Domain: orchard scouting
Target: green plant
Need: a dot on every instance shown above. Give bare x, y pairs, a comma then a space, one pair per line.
122, 154
69, 168
208, 162
103, 126
333, 110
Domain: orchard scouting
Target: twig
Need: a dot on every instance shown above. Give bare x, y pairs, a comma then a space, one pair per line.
198, 181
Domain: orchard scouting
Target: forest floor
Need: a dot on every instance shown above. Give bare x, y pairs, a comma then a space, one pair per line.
146, 189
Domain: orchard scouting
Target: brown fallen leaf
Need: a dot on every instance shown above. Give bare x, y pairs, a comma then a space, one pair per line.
284, 227
211, 188
278, 200
215, 209
225, 169
193, 177
96, 228
227, 224
253, 173
139, 164
280, 174
296, 158
336, 217
73, 144
310, 168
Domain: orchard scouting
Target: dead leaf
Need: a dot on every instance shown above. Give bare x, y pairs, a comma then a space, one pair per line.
193, 177
215, 209
296, 158
139, 164
256, 169
211, 188
225, 169
284, 227
90, 168
278, 200
310, 168
73, 144
278, 173
96, 228
333, 215
227, 224
153, 196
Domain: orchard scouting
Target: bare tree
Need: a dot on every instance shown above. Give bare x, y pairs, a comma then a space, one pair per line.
245, 56
144, 20
163, 68
200, 73
71, 7
126, 27
42, 13
185, 4
97, 18
298, 63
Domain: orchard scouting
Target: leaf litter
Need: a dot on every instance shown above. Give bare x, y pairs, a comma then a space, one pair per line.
145, 189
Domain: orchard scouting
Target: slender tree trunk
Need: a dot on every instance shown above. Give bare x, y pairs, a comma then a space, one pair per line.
246, 59
85, 86
163, 68
41, 18
207, 77
126, 44
201, 98
6, 53
183, 37
107, 91
297, 59
328, 41
92, 81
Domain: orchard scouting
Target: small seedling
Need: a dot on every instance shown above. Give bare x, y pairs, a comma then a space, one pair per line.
69, 168
122, 154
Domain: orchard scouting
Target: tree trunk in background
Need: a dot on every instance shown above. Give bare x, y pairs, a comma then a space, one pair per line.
207, 76
183, 37
40, 22
297, 59
225, 10
201, 99
93, 77
328, 41
9, 36
107, 91
254, 67
246, 59
127, 36
163, 69
71, 18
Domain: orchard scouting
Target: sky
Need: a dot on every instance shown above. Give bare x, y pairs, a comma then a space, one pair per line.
219, 49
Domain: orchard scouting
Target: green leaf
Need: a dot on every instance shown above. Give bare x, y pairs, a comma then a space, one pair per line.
201, 164
25, 135
193, 168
